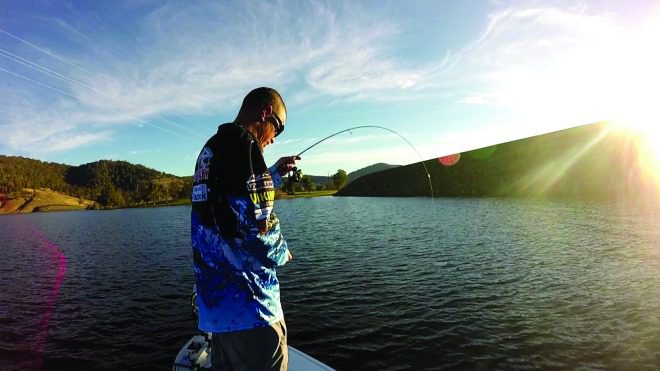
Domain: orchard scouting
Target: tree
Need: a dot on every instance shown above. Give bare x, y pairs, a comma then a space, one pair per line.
174, 188
339, 179
111, 197
144, 190
307, 182
186, 189
158, 193
116, 198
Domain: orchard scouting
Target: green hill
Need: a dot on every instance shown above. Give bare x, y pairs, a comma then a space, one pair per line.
109, 183
17, 173
590, 162
368, 170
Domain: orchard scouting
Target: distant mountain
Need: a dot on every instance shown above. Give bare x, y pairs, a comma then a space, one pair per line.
323, 180
369, 170
590, 162
109, 183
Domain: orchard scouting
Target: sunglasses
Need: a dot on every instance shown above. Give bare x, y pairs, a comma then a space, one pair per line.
277, 122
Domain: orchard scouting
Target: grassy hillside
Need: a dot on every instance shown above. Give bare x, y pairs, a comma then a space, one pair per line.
44, 199
591, 162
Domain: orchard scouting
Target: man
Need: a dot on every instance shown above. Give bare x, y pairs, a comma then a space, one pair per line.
236, 239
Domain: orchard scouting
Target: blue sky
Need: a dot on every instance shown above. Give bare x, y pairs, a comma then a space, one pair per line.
149, 81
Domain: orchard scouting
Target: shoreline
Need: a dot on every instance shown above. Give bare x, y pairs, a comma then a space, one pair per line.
284, 196
34, 206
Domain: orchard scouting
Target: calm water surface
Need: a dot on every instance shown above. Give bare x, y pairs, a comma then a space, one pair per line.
376, 283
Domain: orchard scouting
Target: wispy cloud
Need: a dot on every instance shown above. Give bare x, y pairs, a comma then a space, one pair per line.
66, 140
199, 57
195, 59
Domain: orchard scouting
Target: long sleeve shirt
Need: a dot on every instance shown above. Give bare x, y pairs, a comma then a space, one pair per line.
236, 238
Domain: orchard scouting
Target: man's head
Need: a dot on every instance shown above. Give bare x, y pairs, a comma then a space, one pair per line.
263, 114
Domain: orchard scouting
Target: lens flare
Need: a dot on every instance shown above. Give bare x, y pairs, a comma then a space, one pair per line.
450, 160
53, 253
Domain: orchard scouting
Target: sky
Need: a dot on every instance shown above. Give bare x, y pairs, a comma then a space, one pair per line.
149, 81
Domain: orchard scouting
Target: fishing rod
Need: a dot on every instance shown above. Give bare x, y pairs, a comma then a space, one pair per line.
428, 175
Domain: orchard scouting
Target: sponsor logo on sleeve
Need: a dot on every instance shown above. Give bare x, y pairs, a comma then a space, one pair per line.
201, 174
199, 193
203, 164
260, 183
262, 195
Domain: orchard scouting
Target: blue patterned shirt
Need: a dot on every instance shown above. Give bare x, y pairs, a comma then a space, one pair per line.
236, 238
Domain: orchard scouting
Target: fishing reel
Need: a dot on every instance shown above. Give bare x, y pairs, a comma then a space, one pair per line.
295, 175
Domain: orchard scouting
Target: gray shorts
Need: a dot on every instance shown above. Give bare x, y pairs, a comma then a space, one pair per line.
259, 349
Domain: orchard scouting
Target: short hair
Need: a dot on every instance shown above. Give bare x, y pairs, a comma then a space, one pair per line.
260, 97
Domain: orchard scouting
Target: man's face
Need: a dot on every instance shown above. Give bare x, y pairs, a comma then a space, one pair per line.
267, 135
269, 131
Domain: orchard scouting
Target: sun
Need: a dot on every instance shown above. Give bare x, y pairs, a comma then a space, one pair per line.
645, 134
635, 107
649, 139
637, 113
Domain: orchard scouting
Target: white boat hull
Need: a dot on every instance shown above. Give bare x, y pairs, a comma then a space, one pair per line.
196, 355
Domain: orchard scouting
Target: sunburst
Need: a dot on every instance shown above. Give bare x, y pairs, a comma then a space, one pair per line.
645, 134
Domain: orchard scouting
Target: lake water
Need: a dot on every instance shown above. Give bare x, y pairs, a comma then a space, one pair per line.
376, 283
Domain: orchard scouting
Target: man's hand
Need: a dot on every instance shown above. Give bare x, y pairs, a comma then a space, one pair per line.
286, 164
289, 256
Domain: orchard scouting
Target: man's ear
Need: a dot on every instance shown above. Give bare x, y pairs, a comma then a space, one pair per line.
266, 112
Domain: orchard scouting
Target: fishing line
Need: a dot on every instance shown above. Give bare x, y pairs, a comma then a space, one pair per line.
428, 175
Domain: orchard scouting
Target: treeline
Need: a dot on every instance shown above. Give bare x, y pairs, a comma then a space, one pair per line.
309, 183
109, 183
17, 173
335, 181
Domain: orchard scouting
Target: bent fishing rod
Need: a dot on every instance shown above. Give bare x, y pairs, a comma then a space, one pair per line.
428, 175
